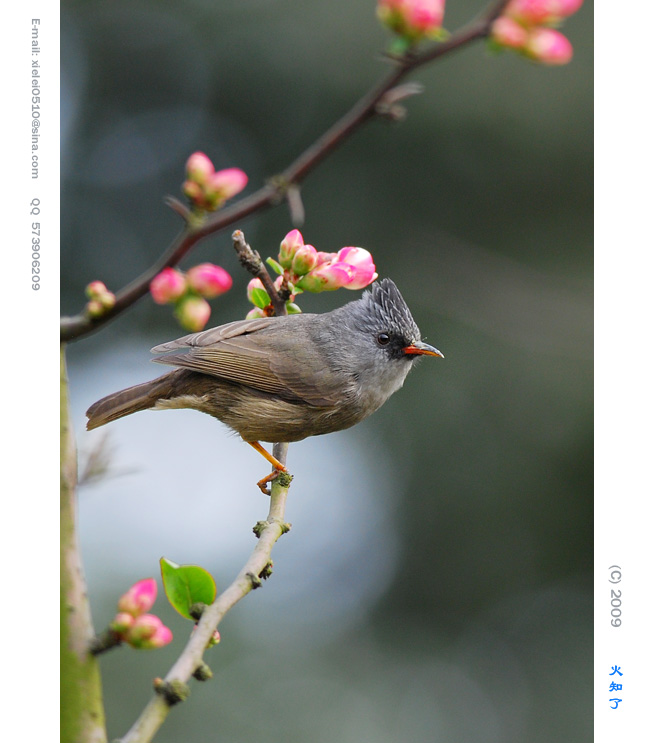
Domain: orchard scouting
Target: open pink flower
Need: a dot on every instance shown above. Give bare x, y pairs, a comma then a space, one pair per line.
139, 598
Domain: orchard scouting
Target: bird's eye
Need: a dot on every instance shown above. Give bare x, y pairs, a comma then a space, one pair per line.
383, 339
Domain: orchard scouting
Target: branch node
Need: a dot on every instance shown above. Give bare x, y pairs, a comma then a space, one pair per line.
266, 571
172, 692
259, 528
203, 672
196, 610
254, 580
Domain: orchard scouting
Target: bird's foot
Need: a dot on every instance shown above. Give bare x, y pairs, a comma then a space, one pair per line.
269, 478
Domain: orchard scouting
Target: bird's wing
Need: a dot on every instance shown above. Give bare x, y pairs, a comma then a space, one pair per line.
257, 353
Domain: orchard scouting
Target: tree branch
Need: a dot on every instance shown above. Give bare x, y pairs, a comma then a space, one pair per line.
278, 188
249, 578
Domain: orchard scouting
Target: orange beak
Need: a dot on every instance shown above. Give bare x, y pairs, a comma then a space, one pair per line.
418, 348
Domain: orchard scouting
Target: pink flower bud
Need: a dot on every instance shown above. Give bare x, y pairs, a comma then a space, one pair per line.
228, 183
209, 280
257, 294
215, 639
193, 313
148, 632
168, 286
507, 32
139, 598
95, 289
255, 314
412, 19
304, 259
292, 241
144, 627
162, 637
199, 168
361, 264
95, 308
326, 277
194, 192
536, 12
549, 47
122, 622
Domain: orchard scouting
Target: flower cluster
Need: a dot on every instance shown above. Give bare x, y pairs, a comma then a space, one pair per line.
133, 625
99, 299
208, 189
303, 268
413, 20
189, 291
525, 27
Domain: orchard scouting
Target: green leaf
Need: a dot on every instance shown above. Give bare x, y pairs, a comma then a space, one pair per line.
186, 585
275, 266
260, 298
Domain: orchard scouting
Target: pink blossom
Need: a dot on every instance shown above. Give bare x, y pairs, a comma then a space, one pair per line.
193, 313
361, 264
148, 632
549, 47
168, 286
507, 32
536, 12
350, 268
326, 277
199, 168
209, 280
139, 598
95, 289
228, 183
412, 19
305, 258
292, 241
122, 622
100, 299
208, 189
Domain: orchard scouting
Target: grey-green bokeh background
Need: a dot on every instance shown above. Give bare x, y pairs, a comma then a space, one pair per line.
437, 583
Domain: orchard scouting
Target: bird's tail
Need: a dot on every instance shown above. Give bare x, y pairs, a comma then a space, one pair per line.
131, 400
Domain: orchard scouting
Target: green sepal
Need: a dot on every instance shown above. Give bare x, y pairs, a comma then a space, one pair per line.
275, 266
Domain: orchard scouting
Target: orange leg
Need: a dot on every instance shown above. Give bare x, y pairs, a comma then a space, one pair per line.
277, 466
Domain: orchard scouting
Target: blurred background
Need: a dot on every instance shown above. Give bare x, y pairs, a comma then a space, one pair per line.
437, 582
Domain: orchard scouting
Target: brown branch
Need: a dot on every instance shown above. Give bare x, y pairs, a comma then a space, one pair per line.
276, 191
252, 262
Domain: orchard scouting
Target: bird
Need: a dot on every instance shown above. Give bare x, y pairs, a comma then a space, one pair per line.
284, 378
